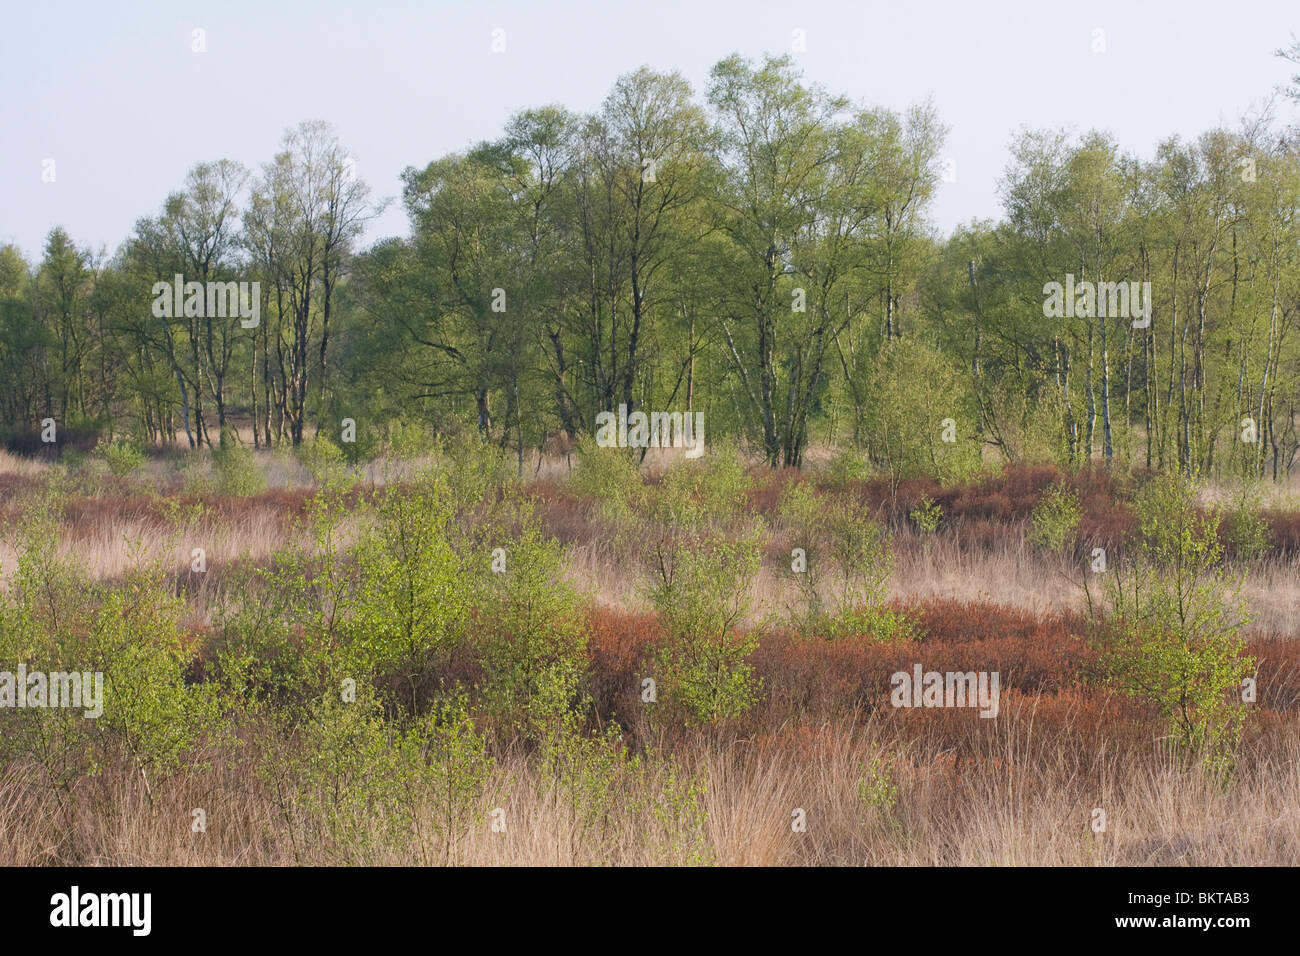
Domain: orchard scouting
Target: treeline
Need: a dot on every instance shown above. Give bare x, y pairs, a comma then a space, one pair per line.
761, 254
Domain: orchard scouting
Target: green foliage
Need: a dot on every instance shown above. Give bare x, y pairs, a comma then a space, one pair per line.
847, 465
73, 459
1023, 419
794, 217
360, 784
1055, 518
927, 515
879, 623
407, 440
475, 473
288, 644
878, 792
237, 470
162, 720
258, 656
909, 394
1246, 530
196, 475
678, 810
409, 605
129, 633
610, 475
718, 483
605, 788
847, 553
528, 633
122, 457
590, 774
1173, 633
701, 575
321, 457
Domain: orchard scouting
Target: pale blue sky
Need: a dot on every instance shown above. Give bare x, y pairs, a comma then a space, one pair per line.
113, 93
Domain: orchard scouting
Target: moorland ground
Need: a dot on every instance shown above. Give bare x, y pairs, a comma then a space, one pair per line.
429, 660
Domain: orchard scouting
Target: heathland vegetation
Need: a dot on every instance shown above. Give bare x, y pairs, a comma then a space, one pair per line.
430, 661
365, 584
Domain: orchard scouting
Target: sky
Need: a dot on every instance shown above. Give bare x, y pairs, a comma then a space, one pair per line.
117, 97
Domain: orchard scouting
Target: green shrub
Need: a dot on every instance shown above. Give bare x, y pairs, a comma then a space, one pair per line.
588, 773
1246, 530
910, 391
847, 552
878, 623
256, 656
927, 515
312, 593
411, 601
847, 465
1172, 636
237, 471
610, 475
718, 483
472, 469
1055, 518
122, 457
1024, 416
529, 634
878, 793
321, 457
679, 837
196, 475
406, 440
701, 575
130, 633
159, 718
360, 785
73, 459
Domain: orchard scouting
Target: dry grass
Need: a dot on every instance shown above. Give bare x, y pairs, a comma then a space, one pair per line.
995, 812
